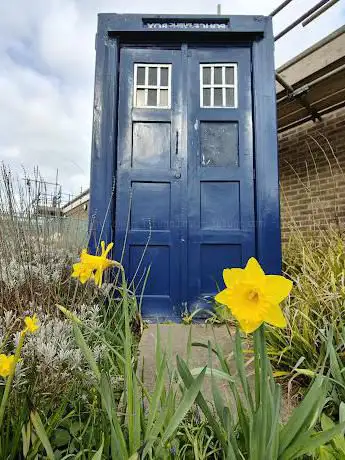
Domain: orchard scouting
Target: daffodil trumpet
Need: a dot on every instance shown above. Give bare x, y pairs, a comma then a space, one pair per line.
254, 297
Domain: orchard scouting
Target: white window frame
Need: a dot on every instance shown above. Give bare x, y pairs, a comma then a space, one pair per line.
157, 87
221, 86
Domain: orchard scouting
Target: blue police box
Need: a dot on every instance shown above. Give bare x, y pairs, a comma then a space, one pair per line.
184, 173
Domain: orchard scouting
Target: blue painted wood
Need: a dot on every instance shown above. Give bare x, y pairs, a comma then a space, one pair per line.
148, 194
221, 218
102, 179
177, 23
266, 156
186, 251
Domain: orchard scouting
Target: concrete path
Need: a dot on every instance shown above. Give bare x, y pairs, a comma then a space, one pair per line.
174, 338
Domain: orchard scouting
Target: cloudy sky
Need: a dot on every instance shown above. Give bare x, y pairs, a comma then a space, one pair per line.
47, 69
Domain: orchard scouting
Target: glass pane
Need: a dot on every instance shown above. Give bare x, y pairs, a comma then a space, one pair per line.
140, 75
219, 143
229, 76
152, 75
151, 145
206, 97
218, 80
206, 75
218, 97
164, 98
140, 98
152, 97
230, 97
164, 76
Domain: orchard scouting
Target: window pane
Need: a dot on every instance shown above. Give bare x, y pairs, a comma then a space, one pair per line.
206, 97
219, 143
164, 76
152, 75
151, 145
140, 75
206, 76
218, 76
152, 97
140, 98
164, 97
229, 76
218, 97
230, 97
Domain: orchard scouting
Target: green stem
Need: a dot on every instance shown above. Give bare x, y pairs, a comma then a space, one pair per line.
11, 377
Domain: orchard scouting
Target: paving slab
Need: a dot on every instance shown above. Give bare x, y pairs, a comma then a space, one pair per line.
174, 339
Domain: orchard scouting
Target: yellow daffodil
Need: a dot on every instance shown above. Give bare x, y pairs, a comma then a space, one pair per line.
92, 267
31, 324
6, 365
82, 271
254, 297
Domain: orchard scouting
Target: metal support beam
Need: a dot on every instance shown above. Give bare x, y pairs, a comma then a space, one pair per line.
300, 97
319, 12
317, 80
280, 7
301, 19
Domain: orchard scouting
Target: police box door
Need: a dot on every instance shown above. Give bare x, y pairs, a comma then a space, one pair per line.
184, 182
221, 224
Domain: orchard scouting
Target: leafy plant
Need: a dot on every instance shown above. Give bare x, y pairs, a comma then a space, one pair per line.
335, 449
316, 266
250, 427
134, 431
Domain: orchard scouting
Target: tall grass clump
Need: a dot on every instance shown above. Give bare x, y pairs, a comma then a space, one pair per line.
314, 259
37, 251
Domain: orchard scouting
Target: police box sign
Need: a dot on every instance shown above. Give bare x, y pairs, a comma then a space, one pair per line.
187, 25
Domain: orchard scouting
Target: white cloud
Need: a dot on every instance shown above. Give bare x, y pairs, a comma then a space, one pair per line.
47, 67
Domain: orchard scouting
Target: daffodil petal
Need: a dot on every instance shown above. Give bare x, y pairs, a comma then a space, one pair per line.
232, 276
223, 297
254, 272
109, 248
249, 326
98, 277
277, 288
275, 316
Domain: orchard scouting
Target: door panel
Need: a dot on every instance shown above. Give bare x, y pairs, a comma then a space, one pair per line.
185, 178
221, 227
148, 188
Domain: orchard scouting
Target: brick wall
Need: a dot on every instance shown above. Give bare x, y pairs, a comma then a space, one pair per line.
312, 174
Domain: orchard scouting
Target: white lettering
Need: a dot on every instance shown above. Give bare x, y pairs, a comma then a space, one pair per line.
185, 25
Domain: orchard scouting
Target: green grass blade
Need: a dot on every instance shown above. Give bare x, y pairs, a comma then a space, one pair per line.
188, 380
81, 342
118, 443
98, 454
303, 414
232, 445
308, 443
155, 400
186, 403
216, 373
41, 433
240, 366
